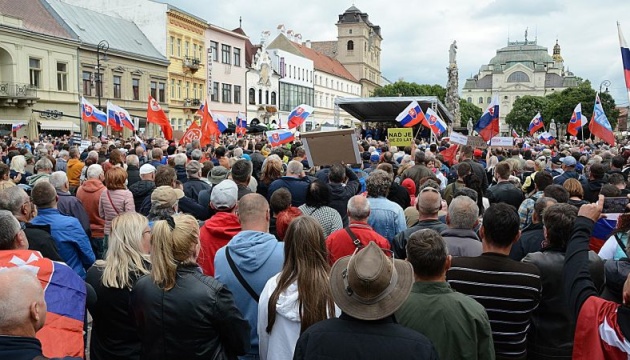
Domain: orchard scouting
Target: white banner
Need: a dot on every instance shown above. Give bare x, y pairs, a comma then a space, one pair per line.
457, 138
507, 141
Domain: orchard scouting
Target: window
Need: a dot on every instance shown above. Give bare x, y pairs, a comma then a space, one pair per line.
62, 76
260, 96
215, 50
35, 72
469, 100
135, 86
172, 45
215, 91
350, 31
194, 54
489, 99
154, 89
172, 89
294, 95
481, 99
162, 92
195, 93
87, 83
326, 82
237, 94
179, 89
316, 79
117, 80
273, 98
267, 97
518, 76
227, 93
187, 90
298, 74
289, 71
186, 46
225, 54
252, 96
237, 57
179, 47
516, 97
350, 45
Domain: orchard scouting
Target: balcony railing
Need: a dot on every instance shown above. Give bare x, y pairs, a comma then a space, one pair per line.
15, 94
192, 103
191, 63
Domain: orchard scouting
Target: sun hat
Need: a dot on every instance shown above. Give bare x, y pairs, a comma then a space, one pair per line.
218, 174
368, 285
166, 196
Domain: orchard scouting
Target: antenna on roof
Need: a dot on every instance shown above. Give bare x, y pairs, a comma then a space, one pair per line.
508, 34
240, 21
536, 35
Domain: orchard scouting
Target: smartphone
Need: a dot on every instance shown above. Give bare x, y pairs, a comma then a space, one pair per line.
615, 205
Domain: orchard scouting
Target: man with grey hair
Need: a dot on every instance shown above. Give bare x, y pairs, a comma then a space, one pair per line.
357, 235
68, 204
295, 181
62, 161
194, 185
133, 169
386, 217
196, 154
429, 204
533, 235
12, 236
180, 167
93, 156
461, 219
43, 168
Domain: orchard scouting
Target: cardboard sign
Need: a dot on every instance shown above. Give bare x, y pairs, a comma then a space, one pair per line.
477, 142
457, 138
330, 147
400, 137
506, 141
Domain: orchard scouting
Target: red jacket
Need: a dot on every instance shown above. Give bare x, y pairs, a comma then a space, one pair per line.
90, 193
339, 243
215, 233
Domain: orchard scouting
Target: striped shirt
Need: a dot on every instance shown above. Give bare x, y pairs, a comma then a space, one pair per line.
507, 289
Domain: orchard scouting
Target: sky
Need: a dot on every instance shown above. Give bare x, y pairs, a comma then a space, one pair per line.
415, 46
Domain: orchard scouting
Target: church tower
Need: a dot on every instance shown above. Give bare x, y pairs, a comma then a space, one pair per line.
557, 58
359, 48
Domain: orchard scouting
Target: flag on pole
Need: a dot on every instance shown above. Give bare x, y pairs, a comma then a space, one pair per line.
412, 115
241, 124
280, 136
433, 121
546, 138
625, 57
221, 121
515, 134
488, 124
299, 115
536, 124
157, 116
116, 116
193, 133
90, 113
577, 120
599, 125
18, 126
209, 129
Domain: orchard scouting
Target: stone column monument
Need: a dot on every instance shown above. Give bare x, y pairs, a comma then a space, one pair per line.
452, 86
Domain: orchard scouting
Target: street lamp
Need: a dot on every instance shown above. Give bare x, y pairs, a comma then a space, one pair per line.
102, 48
604, 84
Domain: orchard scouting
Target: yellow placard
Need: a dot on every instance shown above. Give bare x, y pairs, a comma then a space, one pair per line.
400, 137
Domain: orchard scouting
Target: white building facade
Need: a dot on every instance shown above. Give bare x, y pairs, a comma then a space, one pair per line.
263, 88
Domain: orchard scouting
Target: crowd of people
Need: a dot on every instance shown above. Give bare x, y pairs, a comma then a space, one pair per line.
146, 249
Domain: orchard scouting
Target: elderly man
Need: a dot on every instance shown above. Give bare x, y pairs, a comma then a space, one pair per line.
419, 170
194, 185
568, 168
68, 204
70, 238
504, 191
133, 169
429, 204
62, 161
43, 168
89, 193
461, 219
143, 188
457, 325
357, 235
386, 217
180, 167
156, 157
295, 180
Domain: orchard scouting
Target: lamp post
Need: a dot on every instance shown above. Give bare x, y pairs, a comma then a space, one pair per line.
102, 48
605, 84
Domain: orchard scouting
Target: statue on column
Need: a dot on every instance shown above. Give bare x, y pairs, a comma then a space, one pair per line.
452, 86
452, 55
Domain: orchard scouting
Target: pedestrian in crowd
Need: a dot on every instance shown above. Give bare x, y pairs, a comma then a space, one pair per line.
217, 174
164, 203
317, 201
504, 191
271, 170
6, 180
220, 157
133, 169
180, 167
217, 231
43, 169
295, 180
457, 325
180, 312
62, 161
386, 217
144, 187
368, 287
194, 185
91, 159
463, 170
257, 159
568, 170
460, 236
466, 156
68, 204
576, 193
594, 182
18, 170
397, 193
418, 171
282, 212
526, 210
344, 184
116, 199
71, 240
114, 332
532, 236
241, 174
249, 260
297, 297
156, 157
74, 168
89, 193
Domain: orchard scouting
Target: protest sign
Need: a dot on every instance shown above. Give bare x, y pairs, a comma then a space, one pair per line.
400, 137
457, 138
507, 141
477, 142
330, 147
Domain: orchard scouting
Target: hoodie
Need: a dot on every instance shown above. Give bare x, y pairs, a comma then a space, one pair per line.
258, 256
89, 193
34, 179
215, 233
74, 171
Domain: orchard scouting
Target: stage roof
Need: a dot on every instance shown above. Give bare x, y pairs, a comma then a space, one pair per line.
381, 109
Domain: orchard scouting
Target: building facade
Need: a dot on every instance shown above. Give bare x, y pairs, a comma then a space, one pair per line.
521, 68
263, 86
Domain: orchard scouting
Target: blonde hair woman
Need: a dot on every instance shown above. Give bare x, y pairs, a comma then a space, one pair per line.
114, 333
180, 312
18, 171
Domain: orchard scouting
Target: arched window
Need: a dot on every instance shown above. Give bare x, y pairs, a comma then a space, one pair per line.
489, 99
350, 45
252, 96
469, 100
260, 96
267, 97
518, 76
273, 98
481, 99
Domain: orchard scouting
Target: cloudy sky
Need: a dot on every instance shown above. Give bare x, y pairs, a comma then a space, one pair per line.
416, 40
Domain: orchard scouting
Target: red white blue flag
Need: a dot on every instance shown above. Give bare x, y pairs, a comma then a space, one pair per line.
577, 120
488, 124
625, 57
241, 124
600, 126
221, 121
546, 138
412, 115
515, 134
433, 121
90, 113
536, 124
18, 126
118, 117
280, 136
299, 115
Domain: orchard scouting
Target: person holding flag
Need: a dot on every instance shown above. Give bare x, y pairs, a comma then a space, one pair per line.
599, 125
488, 124
299, 115
577, 120
241, 124
412, 115
536, 124
156, 115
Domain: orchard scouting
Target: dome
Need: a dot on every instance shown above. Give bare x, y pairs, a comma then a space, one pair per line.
352, 9
528, 55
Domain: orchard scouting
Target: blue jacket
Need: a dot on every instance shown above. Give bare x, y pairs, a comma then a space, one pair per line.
298, 187
386, 217
258, 256
70, 238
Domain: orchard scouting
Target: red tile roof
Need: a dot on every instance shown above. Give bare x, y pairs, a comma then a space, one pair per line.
325, 63
36, 16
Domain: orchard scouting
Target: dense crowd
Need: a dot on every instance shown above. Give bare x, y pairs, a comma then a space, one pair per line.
243, 250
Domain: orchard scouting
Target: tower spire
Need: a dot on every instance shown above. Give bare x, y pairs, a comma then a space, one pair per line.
240, 21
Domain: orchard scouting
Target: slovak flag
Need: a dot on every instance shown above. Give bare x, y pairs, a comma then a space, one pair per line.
600, 126
515, 134
577, 120
118, 117
299, 115
90, 113
546, 138
536, 124
412, 115
488, 124
280, 136
241, 124
18, 126
625, 57
222, 122
526, 146
437, 125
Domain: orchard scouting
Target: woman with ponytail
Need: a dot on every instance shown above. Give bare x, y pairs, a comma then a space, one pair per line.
180, 312
297, 297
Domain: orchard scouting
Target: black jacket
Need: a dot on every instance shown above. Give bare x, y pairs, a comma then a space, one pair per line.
141, 190
39, 239
505, 192
560, 179
23, 348
349, 338
133, 175
592, 188
399, 195
182, 176
193, 187
341, 193
530, 241
257, 161
399, 245
196, 319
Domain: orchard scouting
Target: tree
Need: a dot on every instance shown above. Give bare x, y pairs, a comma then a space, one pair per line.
560, 105
469, 111
403, 88
524, 110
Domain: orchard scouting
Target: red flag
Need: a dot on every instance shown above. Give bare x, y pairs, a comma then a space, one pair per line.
209, 128
156, 115
449, 154
193, 133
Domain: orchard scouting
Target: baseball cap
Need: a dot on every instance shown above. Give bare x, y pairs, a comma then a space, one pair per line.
224, 195
147, 169
165, 196
557, 160
478, 153
374, 157
568, 161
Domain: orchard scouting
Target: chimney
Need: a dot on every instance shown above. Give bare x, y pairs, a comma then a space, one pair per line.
308, 44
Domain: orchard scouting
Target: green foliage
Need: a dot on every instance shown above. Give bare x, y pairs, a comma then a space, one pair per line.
403, 88
469, 111
524, 110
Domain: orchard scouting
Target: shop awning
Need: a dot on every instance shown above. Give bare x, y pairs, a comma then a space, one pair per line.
379, 109
58, 125
11, 122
